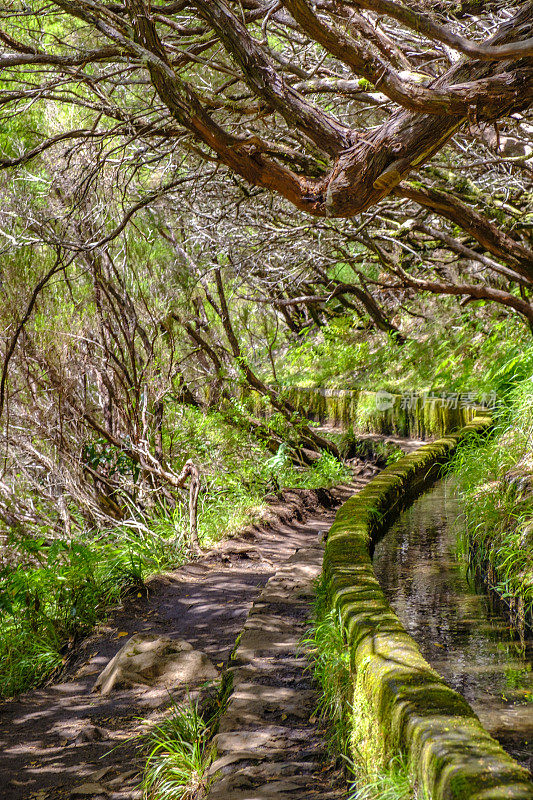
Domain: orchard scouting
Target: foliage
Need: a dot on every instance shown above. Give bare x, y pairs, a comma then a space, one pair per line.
225, 509
58, 590
352, 445
391, 783
179, 753
54, 590
495, 479
457, 352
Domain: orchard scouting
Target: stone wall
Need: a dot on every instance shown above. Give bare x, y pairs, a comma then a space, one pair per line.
450, 754
414, 415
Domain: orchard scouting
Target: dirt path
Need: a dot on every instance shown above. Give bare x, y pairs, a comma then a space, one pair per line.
54, 739
58, 740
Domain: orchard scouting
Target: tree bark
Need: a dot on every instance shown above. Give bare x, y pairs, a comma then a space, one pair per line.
378, 160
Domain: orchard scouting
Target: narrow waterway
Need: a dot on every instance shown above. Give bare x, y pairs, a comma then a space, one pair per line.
464, 639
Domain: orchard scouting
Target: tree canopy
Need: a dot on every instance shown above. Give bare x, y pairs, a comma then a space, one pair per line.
329, 103
192, 190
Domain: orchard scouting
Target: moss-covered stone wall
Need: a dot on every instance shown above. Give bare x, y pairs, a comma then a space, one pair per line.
414, 415
450, 754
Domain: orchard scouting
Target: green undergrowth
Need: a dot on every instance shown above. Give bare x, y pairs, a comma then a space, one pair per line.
330, 662
460, 351
224, 510
59, 590
495, 481
352, 731
238, 470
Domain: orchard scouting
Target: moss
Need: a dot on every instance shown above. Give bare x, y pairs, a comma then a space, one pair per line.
383, 413
414, 712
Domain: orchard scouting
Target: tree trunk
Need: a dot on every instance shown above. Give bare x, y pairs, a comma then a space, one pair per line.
283, 406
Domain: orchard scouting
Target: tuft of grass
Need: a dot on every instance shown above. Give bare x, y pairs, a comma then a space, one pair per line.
352, 445
179, 754
330, 663
325, 472
391, 783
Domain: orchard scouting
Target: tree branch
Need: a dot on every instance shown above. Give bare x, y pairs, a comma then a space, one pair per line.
489, 235
420, 23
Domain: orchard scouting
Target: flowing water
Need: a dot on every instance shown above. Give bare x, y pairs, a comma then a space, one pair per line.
469, 643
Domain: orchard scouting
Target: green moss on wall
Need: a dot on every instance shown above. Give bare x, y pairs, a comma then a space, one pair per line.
381, 412
372, 412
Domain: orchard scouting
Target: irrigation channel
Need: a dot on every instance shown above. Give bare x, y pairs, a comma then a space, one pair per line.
461, 634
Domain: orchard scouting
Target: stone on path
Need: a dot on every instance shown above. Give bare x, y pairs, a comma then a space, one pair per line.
148, 659
89, 790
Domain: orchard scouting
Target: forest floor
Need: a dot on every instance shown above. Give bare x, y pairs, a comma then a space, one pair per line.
64, 740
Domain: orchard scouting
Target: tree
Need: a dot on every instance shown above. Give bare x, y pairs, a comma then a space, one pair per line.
212, 77
205, 129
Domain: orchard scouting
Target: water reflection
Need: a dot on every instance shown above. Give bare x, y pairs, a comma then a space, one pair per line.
465, 640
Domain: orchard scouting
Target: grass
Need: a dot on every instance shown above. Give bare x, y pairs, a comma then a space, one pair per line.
392, 783
179, 752
330, 663
59, 590
352, 733
224, 510
495, 480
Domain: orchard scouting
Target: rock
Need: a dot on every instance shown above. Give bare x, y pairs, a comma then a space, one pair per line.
99, 774
91, 733
251, 703
87, 789
147, 659
322, 537
121, 779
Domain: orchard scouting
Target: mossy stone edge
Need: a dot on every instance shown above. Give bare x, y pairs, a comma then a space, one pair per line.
451, 755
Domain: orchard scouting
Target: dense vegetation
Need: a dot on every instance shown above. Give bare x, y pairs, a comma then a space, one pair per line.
162, 284
495, 480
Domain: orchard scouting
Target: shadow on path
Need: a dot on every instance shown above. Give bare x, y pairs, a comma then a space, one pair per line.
55, 739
